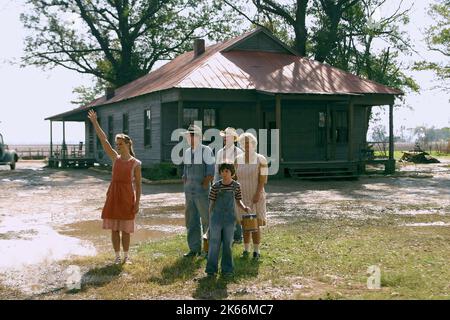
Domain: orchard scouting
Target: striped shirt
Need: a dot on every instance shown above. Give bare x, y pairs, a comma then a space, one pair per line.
219, 186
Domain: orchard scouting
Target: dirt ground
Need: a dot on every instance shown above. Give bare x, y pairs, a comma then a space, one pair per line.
51, 215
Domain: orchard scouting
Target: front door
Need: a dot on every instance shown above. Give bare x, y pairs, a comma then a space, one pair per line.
304, 133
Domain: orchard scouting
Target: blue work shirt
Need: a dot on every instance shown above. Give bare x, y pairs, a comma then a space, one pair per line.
197, 165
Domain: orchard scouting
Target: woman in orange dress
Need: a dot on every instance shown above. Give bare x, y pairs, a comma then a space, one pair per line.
124, 192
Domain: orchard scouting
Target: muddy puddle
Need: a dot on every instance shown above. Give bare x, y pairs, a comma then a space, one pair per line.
148, 227
48, 216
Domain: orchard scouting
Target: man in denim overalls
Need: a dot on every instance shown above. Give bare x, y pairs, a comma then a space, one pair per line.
198, 172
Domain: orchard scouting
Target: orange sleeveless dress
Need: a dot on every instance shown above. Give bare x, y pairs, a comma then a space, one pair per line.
118, 211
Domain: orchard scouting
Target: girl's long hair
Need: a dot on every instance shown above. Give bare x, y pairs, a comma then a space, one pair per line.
127, 140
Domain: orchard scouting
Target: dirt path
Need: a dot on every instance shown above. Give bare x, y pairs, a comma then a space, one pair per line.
48, 215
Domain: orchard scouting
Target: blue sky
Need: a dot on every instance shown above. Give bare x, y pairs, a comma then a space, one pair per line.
30, 94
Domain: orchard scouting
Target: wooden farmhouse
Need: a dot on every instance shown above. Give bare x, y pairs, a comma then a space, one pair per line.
251, 81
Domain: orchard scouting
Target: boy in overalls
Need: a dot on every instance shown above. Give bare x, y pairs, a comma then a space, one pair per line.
223, 196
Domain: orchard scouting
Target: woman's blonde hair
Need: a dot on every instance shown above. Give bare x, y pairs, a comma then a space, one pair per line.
251, 138
127, 140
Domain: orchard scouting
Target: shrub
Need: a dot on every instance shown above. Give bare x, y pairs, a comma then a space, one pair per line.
160, 171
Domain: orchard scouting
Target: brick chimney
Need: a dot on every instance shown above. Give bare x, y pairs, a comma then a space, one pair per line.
199, 47
109, 92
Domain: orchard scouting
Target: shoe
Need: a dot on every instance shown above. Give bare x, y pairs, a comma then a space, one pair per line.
227, 275
117, 260
210, 274
127, 260
256, 255
237, 241
245, 254
191, 254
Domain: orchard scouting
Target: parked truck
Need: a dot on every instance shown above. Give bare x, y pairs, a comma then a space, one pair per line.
7, 157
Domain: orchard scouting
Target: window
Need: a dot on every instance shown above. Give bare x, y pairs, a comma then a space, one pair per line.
147, 128
189, 116
99, 144
110, 129
209, 117
341, 127
322, 118
125, 123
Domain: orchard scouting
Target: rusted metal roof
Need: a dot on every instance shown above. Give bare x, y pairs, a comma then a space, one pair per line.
220, 68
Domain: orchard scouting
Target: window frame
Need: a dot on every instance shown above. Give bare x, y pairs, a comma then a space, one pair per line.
191, 121
125, 120
148, 128
214, 117
111, 129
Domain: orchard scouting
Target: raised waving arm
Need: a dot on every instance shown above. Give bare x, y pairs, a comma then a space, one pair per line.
102, 136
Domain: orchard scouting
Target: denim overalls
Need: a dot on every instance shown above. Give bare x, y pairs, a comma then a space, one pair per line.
221, 229
197, 204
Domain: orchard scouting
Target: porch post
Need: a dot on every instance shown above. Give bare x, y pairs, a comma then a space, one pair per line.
391, 132
350, 130
64, 147
390, 168
327, 133
51, 139
278, 123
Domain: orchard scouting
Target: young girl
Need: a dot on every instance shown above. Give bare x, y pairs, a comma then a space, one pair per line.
223, 196
124, 192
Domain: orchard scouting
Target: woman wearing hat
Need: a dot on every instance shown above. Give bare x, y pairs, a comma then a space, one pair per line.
251, 173
228, 154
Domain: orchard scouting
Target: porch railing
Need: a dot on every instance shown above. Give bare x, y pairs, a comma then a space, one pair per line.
69, 151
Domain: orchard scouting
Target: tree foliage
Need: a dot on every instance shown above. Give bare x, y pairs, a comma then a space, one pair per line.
117, 41
438, 40
342, 33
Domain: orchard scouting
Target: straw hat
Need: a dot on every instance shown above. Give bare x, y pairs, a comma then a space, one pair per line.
229, 132
193, 129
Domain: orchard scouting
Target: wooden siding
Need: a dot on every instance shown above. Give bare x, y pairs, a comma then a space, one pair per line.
170, 123
359, 131
261, 42
237, 115
135, 109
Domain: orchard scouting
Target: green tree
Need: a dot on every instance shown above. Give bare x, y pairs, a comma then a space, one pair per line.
438, 40
117, 41
343, 33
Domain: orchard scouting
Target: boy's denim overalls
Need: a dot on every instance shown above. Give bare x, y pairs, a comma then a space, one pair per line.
237, 228
197, 204
221, 229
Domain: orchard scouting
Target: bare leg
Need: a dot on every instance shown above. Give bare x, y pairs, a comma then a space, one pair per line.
115, 237
247, 236
256, 237
125, 241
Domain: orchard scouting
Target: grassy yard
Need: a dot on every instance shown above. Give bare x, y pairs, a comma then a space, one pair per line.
305, 259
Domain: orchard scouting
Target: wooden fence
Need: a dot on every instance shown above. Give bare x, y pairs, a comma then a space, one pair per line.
43, 151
